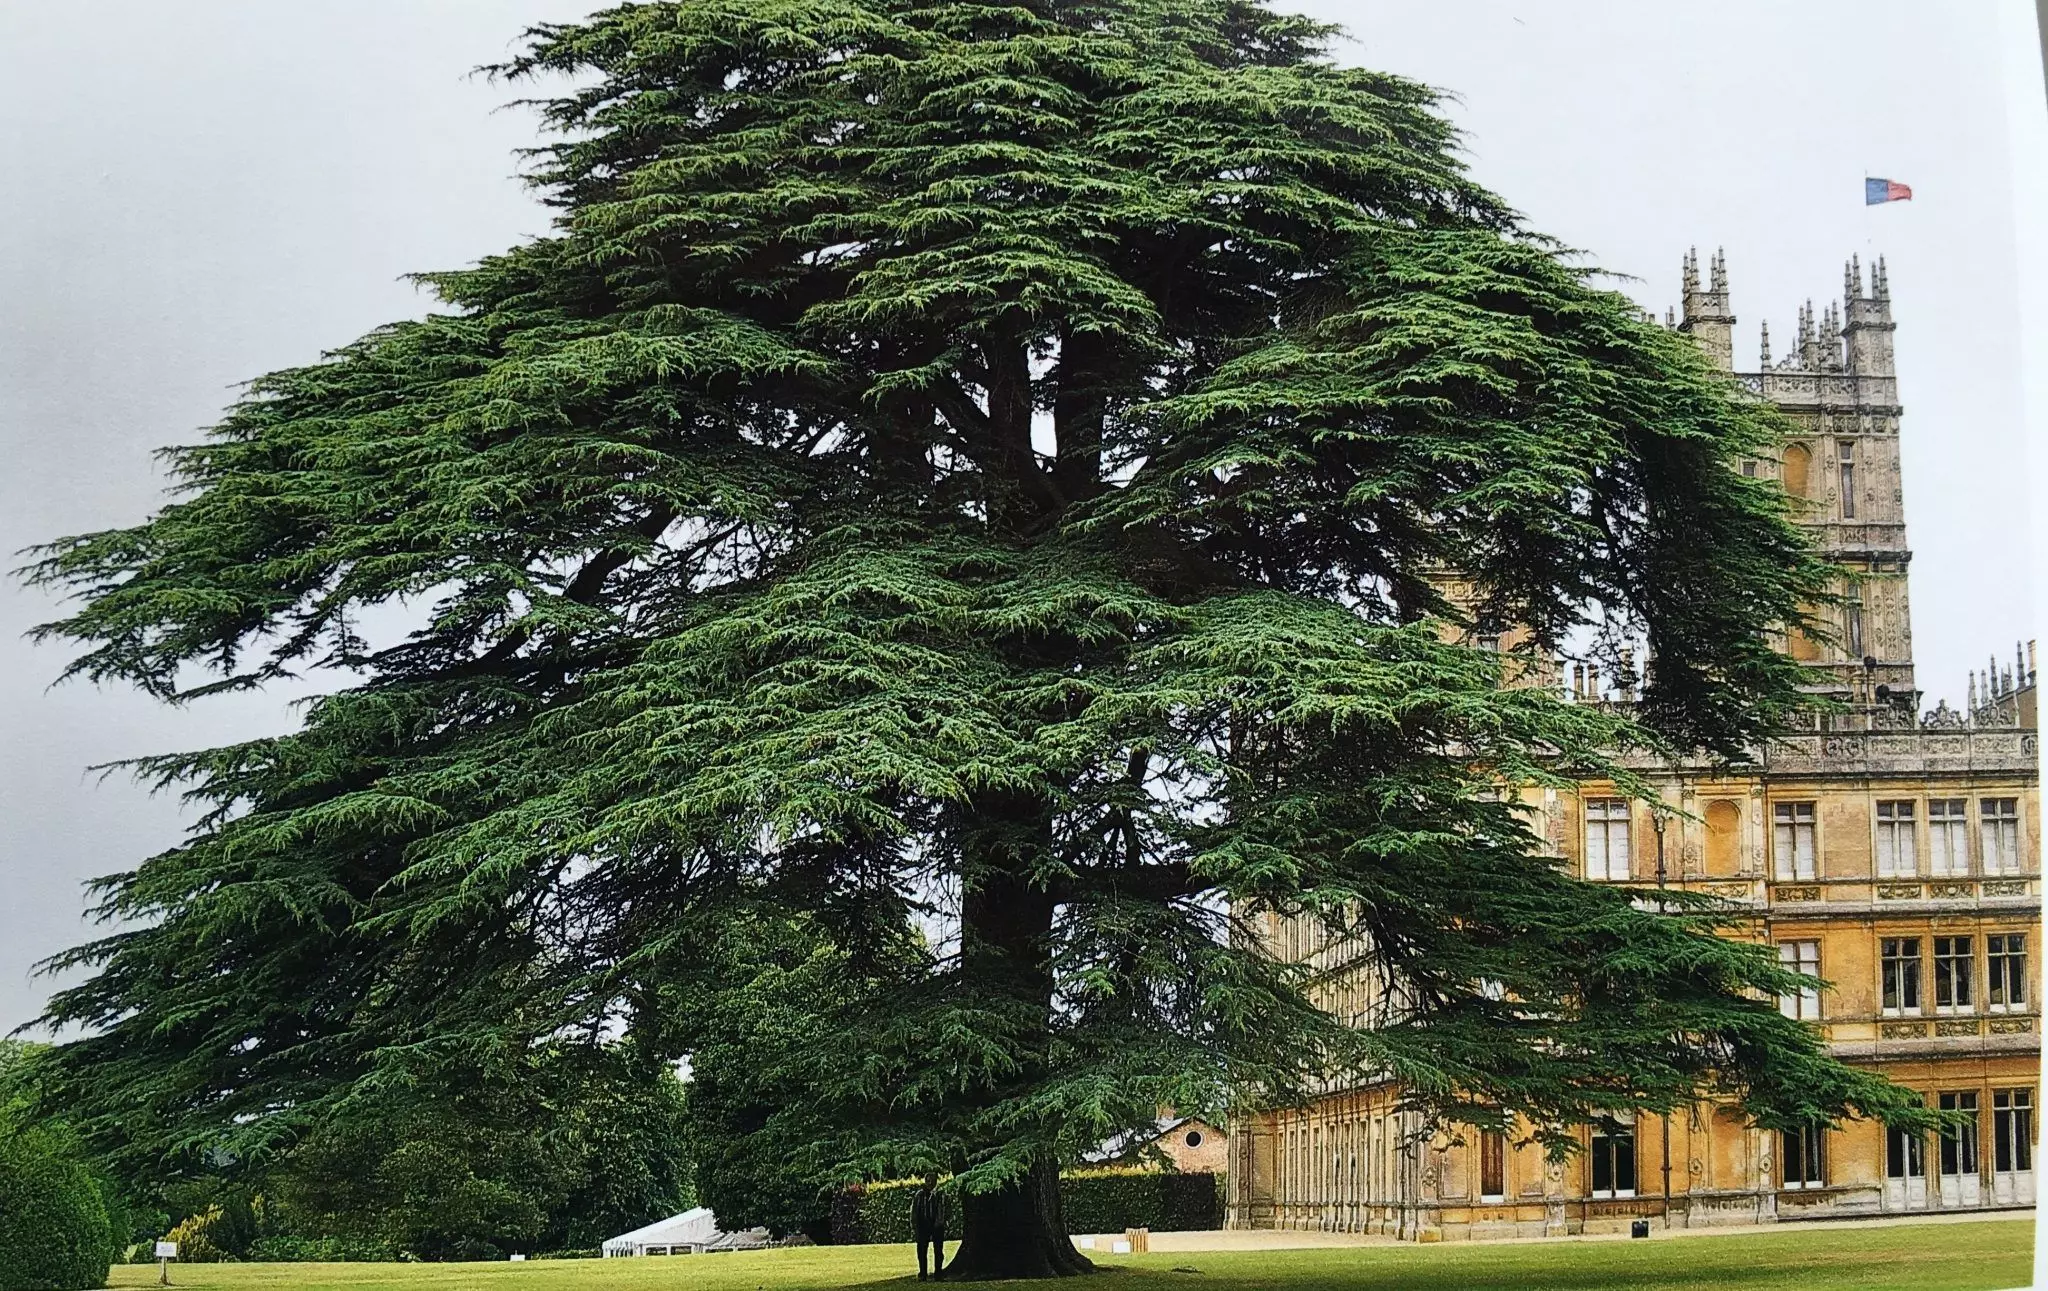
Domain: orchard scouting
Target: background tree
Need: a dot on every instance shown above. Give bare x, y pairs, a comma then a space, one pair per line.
54, 1230
979, 468
537, 1152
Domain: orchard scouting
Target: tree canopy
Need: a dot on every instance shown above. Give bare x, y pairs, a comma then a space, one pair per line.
979, 478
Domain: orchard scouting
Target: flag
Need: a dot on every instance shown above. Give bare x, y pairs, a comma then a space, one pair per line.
1885, 190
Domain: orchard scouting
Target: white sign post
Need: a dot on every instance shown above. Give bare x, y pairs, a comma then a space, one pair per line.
165, 1253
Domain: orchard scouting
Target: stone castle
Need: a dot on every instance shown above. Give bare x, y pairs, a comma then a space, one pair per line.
1890, 850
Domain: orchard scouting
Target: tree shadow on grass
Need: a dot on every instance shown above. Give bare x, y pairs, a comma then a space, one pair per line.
1665, 1267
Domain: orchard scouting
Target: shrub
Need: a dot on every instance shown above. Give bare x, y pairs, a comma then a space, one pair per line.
53, 1223
1111, 1200
1095, 1201
195, 1236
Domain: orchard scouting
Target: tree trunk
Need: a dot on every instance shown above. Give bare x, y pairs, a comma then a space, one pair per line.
1005, 931
1019, 1232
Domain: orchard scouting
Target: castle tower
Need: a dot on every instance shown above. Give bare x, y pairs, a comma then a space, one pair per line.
1841, 464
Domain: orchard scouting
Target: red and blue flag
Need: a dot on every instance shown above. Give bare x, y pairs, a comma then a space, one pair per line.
1884, 190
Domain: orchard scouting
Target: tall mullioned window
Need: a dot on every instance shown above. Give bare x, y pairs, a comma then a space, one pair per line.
2012, 1130
1899, 973
1803, 958
1959, 1145
1999, 821
1792, 840
1613, 1159
1948, 836
1848, 468
1897, 852
1607, 838
1905, 1154
1801, 1154
1954, 971
1493, 1165
2005, 971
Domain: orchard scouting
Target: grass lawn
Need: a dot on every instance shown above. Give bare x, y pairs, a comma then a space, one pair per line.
1974, 1256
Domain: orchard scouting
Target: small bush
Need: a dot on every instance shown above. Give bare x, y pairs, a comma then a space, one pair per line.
1095, 1201
195, 1238
53, 1223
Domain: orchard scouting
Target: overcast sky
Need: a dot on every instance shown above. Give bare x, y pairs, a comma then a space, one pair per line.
201, 192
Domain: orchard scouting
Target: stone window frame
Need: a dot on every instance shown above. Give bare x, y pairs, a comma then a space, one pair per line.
1784, 869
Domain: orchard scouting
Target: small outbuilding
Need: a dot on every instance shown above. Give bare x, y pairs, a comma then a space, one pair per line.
1192, 1145
694, 1232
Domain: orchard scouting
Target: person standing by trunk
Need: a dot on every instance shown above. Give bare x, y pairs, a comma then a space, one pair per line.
928, 1226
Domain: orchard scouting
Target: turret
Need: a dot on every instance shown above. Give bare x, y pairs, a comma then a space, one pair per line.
1867, 321
1809, 340
1706, 315
1830, 339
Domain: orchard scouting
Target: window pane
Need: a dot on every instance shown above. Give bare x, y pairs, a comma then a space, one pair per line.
1899, 958
1952, 972
2012, 1130
1999, 822
1492, 1164
1903, 1155
1607, 838
1614, 1160
1792, 839
1802, 957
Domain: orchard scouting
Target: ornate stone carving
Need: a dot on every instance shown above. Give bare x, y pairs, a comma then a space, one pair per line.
1903, 1031
1808, 893
2011, 1026
1956, 1026
1898, 891
1952, 890
1942, 718
1695, 1166
2005, 887
1728, 891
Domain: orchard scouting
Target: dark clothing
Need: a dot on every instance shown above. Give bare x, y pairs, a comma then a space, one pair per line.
928, 1228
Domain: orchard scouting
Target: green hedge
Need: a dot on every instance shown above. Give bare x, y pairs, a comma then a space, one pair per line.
53, 1224
1095, 1201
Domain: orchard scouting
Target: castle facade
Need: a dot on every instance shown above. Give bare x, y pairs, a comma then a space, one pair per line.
1893, 852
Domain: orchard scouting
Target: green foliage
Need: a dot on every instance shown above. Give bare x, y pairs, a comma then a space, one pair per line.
987, 468
461, 1164
53, 1223
284, 1249
1095, 1201
205, 1237
1165, 1201
747, 1016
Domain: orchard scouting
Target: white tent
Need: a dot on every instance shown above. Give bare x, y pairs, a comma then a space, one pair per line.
690, 1233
